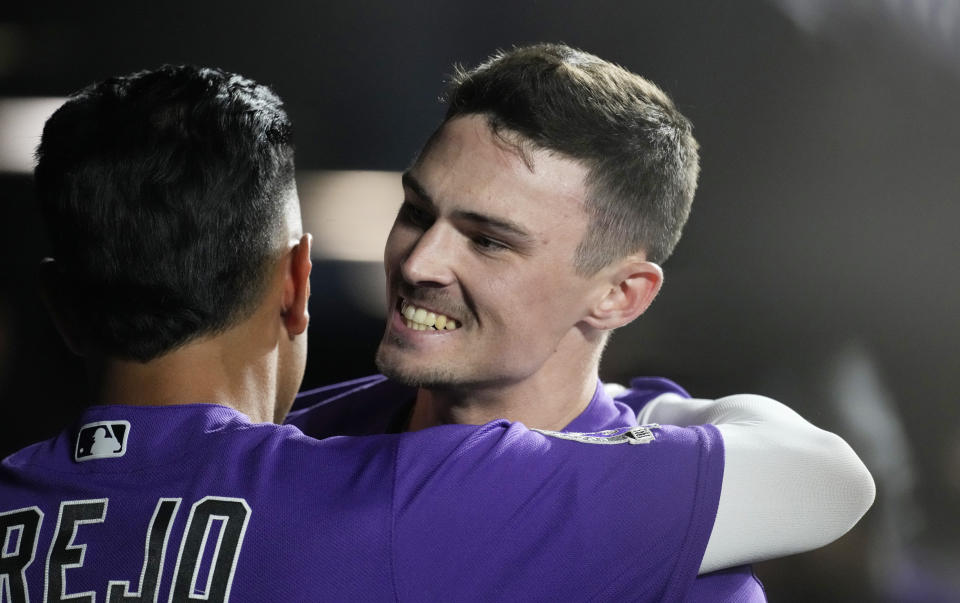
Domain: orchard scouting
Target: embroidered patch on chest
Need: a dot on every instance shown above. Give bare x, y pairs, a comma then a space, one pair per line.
641, 434
102, 440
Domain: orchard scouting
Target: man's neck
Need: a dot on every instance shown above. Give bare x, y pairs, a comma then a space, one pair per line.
212, 370
543, 401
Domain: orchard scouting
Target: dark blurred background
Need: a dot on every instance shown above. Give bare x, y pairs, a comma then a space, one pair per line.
819, 265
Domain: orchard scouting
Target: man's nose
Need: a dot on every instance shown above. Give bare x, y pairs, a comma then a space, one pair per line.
430, 261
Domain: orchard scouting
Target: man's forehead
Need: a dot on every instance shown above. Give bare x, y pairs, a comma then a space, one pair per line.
479, 129
467, 156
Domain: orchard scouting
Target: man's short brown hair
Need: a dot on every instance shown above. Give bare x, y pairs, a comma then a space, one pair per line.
638, 148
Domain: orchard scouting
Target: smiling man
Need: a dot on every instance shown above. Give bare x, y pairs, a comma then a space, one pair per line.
534, 223
487, 244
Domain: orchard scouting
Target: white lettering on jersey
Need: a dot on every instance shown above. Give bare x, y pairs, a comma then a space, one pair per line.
206, 562
63, 555
154, 553
16, 556
232, 515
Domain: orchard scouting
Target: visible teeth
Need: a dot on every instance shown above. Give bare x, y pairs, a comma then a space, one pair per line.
421, 319
409, 311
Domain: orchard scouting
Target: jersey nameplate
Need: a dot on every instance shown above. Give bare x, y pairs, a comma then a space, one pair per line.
102, 440
206, 555
642, 434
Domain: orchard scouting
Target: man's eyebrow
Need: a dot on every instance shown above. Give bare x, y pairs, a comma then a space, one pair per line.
496, 223
413, 184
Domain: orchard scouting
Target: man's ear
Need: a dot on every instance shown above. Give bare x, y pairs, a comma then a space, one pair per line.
58, 305
630, 289
296, 287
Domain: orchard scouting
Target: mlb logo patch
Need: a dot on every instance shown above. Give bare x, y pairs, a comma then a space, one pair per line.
102, 440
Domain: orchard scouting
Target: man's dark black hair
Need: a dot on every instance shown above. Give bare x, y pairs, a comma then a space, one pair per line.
639, 150
163, 193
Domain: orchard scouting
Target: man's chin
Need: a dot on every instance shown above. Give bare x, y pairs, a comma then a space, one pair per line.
428, 378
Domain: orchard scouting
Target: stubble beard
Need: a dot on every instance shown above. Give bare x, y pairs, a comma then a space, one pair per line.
389, 360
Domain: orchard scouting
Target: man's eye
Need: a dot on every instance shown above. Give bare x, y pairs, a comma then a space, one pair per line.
411, 214
484, 243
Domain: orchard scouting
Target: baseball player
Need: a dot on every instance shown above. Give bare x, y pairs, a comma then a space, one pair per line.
534, 223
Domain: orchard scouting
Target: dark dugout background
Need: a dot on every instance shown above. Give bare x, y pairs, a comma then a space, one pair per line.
819, 266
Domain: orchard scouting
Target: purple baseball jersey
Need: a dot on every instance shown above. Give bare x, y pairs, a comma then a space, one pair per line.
377, 405
196, 502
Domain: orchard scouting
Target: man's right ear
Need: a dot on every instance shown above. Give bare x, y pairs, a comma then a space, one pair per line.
64, 315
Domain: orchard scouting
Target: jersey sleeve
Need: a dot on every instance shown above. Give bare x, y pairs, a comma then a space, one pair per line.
508, 506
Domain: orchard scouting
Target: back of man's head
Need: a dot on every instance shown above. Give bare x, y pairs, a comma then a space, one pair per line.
640, 152
163, 194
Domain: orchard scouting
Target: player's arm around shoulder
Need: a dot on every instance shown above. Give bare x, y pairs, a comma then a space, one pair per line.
788, 486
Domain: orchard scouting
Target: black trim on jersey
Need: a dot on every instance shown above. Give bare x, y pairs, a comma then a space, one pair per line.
63, 555
13, 565
233, 513
154, 552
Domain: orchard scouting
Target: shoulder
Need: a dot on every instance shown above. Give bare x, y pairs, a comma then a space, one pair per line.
469, 457
289, 450
649, 490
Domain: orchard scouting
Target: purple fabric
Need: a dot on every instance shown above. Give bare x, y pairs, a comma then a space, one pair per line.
346, 408
492, 512
734, 585
644, 389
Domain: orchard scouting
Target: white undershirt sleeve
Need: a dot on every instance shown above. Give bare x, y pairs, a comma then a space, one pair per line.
788, 486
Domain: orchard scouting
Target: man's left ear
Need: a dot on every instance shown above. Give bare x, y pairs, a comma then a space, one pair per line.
631, 287
296, 287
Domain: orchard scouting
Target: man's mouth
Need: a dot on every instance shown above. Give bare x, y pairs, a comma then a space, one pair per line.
421, 319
